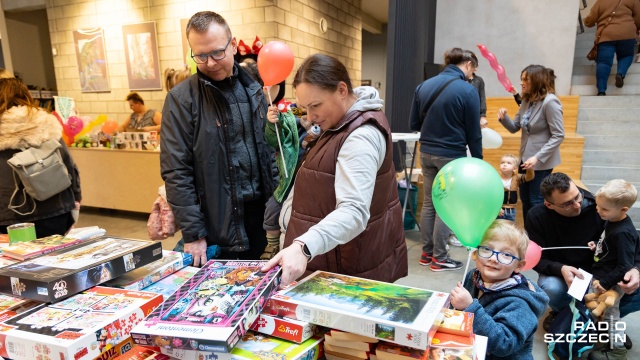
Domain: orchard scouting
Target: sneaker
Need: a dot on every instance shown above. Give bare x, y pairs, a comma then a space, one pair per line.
608, 354
446, 264
602, 93
619, 80
269, 252
425, 259
546, 324
453, 241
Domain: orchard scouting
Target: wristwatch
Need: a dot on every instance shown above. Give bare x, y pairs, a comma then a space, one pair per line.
305, 249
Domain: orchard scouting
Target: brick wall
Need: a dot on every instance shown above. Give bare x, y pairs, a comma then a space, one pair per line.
295, 22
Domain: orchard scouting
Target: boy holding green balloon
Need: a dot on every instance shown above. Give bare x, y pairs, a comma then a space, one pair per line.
505, 304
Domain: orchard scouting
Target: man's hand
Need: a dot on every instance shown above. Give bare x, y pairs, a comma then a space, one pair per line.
569, 273
591, 245
292, 261
197, 249
631, 281
483, 122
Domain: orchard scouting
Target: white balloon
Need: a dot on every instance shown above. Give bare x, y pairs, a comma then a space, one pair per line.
491, 139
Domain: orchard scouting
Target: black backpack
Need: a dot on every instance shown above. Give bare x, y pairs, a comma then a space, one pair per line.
565, 324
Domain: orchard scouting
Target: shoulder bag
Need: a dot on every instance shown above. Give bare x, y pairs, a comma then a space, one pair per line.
593, 53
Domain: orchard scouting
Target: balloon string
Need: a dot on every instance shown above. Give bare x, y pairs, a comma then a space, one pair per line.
565, 247
466, 269
284, 163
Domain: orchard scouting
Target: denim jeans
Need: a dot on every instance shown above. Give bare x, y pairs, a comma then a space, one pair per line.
556, 289
509, 214
624, 51
530, 194
434, 232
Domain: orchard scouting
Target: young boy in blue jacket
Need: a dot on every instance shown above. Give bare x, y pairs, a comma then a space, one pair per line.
505, 304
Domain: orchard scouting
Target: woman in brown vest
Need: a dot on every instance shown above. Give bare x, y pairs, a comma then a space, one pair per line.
343, 214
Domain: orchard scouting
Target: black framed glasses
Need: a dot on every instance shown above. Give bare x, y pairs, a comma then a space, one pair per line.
577, 200
502, 257
215, 55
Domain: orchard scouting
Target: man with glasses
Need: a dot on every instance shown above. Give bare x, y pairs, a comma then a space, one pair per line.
214, 160
568, 217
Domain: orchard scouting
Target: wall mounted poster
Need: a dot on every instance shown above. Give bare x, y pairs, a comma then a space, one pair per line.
92, 60
141, 55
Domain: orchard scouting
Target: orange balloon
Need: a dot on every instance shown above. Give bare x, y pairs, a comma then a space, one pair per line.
275, 62
109, 127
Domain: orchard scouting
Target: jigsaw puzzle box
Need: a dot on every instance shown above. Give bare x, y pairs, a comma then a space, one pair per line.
81, 327
212, 310
64, 273
400, 314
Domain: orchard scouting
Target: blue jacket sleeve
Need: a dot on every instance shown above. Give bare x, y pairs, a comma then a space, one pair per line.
415, 118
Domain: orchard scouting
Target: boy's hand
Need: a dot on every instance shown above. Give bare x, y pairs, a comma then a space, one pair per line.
501, 212
599, 288
591, 245
272, 114
460, 297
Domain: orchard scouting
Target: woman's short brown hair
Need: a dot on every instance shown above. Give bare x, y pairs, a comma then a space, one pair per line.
323, 71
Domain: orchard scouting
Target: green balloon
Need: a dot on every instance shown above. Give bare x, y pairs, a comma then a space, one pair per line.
467, 195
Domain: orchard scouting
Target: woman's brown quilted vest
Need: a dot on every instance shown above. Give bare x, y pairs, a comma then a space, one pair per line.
379, 252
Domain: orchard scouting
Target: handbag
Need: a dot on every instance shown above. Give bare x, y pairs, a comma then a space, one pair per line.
593, 53
41, 171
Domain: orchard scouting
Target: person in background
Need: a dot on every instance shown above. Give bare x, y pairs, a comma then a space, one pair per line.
478, 83
218, 170
568, 217
541, 121
614, 255
142, 118
23, 124
290, 143
343, 214
505, 304
174, 77
511, 182
447, 114
617, 24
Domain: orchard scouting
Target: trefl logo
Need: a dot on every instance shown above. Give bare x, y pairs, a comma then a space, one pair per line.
60, 289
287, 330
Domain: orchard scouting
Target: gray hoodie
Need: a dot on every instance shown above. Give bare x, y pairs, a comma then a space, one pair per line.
358, 162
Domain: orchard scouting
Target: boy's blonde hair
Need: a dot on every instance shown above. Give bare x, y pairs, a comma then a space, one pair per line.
619, 192
508, 232
515, 158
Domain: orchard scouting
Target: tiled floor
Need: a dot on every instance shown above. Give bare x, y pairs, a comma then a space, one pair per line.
133, 225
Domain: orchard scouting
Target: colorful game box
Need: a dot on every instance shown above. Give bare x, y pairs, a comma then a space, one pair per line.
212, 310
395, 313
64, 273
142, 353
254, 346
171, 283
11, 306
113, 352
456, 322
140, 278
30, 249
80, 327
284, 328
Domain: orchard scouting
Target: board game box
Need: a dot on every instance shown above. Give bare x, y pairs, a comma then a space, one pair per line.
284, 328
113, 352
255, 346
29, 249
140, 278
400, 314
167, 286
80, 327
142, 353
212, 310
66, 272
